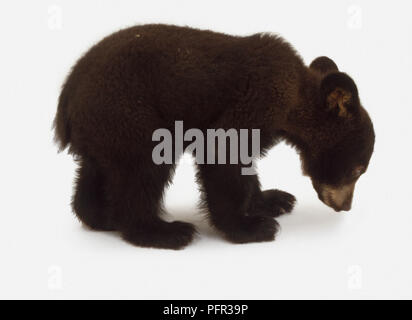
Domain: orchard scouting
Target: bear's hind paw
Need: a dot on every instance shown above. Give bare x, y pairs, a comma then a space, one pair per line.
165, 235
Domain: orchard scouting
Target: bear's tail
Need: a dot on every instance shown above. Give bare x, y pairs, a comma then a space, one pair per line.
61, 124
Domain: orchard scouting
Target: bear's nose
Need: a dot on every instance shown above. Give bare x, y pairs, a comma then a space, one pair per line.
346, 206
343, 208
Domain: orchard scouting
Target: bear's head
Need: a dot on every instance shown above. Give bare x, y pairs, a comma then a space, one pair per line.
344, 137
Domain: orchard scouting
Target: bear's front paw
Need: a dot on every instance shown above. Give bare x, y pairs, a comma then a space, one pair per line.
273, 203
251, 229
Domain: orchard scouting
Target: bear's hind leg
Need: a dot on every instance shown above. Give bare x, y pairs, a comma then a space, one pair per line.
89, 200
136, 198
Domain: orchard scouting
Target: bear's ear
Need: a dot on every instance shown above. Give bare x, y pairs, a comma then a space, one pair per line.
340, 94
324, 65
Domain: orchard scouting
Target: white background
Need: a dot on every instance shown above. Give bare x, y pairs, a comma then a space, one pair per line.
366, 253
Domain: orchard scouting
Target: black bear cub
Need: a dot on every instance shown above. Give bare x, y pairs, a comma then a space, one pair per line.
143, 78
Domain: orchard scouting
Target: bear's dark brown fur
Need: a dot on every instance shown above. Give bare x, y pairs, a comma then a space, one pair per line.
146, 77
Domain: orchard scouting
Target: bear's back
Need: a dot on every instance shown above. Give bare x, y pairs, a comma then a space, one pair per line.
185, 74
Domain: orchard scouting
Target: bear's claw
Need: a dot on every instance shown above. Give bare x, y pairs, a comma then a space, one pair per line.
273, 203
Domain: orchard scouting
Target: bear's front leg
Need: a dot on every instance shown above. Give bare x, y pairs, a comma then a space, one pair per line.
228, 194
273, 203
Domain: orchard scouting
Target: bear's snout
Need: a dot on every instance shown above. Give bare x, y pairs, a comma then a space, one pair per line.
338, 198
